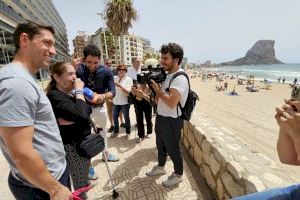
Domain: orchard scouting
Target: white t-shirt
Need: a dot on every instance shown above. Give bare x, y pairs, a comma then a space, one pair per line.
180, 83
121, 98
132, 72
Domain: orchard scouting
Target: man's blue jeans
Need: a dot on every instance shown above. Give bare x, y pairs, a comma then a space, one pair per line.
125, 110
287, 193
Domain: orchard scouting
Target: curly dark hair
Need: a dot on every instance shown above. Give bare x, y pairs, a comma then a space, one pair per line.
174, 49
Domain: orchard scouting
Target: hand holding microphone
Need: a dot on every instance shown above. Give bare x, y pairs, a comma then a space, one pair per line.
88, 93
93, 97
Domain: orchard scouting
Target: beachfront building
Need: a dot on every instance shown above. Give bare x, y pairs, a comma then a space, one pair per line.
79, 42
13, 12
134, 46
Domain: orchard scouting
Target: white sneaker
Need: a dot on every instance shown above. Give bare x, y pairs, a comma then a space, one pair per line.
92, 174
156, 170
148, 136
172, 180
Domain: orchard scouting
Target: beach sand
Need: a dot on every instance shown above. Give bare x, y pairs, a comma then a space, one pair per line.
249, 115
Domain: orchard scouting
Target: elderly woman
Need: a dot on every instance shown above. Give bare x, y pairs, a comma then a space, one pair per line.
123, 85
72, 114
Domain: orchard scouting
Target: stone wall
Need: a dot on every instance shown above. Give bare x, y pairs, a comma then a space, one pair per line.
229, 166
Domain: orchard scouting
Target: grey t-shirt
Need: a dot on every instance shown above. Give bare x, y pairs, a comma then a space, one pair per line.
24, 103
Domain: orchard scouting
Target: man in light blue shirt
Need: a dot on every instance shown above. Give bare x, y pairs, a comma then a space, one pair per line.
29, 135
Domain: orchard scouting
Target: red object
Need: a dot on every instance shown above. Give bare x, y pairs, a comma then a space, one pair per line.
75, 194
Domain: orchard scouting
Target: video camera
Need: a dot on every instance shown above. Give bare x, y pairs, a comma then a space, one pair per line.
156, 74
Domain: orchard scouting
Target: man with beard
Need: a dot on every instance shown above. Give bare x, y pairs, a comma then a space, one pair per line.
168, 121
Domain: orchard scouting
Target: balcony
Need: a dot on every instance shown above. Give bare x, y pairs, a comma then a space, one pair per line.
24, 8
10, 12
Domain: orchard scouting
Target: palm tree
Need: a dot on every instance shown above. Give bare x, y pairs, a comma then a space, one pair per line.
107, 38
119, 16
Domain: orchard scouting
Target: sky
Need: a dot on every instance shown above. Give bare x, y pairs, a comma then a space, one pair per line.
216, 30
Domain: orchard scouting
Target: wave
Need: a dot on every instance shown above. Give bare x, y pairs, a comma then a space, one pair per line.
270, 72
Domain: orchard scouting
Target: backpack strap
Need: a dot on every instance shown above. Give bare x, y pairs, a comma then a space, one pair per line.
173, 77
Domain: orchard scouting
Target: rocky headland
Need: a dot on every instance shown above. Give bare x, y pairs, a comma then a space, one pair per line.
262, 52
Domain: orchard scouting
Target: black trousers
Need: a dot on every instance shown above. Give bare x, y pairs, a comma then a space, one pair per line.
168, 131
24, 192
143, 107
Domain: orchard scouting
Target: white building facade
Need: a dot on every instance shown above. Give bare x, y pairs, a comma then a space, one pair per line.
134, 46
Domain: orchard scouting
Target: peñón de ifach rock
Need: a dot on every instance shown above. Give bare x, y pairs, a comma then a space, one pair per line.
262, 52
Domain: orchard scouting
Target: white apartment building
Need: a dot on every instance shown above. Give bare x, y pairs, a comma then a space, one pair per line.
134, 46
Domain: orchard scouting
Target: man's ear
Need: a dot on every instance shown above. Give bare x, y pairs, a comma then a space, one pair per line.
23, 39
55, 77
176, 60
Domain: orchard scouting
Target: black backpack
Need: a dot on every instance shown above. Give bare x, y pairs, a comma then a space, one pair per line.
190, 103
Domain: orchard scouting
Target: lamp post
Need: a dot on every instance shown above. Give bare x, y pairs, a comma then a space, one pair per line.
103, 24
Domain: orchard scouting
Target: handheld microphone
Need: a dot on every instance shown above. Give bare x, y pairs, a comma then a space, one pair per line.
88, 93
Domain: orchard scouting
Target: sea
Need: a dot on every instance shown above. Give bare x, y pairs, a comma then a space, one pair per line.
260, 72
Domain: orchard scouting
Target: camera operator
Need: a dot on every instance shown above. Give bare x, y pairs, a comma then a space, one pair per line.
168, 122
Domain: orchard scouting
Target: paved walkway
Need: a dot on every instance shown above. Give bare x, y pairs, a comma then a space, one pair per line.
129, 174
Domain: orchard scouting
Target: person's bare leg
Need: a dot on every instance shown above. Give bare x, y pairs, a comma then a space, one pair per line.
109, 106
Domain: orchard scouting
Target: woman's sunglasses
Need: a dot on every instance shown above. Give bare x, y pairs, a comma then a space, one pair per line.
122, 69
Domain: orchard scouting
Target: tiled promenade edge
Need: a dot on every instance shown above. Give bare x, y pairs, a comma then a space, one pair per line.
129, 174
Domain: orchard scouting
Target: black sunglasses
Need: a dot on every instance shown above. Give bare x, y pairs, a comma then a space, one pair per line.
122, 69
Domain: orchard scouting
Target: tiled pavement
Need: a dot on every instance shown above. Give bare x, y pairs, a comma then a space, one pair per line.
129, 174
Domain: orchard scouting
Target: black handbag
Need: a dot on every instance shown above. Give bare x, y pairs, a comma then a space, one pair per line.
92, 144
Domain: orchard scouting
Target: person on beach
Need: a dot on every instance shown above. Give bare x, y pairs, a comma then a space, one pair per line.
295, 81
225, 85
283, 80
288, 148
29, 135
233, 92
168, 121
